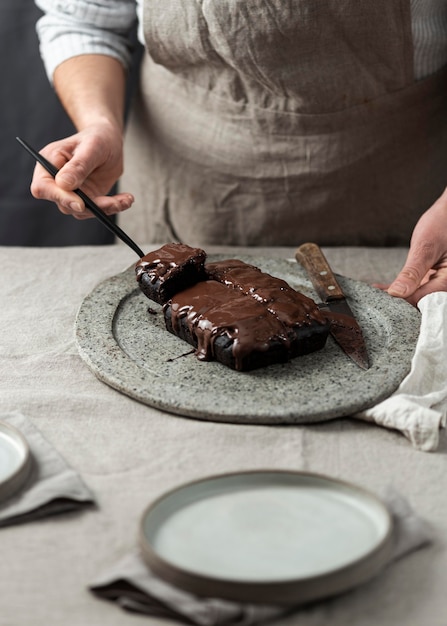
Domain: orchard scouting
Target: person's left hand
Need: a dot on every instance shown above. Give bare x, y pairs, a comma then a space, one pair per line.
425, 269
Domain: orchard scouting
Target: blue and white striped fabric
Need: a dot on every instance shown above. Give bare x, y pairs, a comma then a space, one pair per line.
74, 27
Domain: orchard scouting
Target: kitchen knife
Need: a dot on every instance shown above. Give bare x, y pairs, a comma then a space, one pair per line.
344, 327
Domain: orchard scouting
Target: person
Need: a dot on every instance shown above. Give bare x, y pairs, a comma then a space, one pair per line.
260, 122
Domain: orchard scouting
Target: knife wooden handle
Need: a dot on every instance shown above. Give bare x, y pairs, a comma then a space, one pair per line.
310, 256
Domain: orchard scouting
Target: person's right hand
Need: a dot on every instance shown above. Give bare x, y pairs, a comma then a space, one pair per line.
92, 160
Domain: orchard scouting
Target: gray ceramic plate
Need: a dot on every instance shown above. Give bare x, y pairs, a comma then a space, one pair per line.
15, 460
271, 537
129, 349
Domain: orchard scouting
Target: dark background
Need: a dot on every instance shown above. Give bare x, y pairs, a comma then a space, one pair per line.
30, 109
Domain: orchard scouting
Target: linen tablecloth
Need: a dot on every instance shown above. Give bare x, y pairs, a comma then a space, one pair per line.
129, 453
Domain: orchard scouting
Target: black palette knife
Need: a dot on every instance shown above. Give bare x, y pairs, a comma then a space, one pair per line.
94, 208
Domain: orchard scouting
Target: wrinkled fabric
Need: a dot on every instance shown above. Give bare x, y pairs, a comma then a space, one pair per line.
93, 26
418, 408
282, 54
273, 123
134, 587
52, 487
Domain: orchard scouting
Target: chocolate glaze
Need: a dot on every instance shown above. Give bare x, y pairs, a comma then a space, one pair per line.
291, 307
171, 268
161, 264
348, 334
211, 310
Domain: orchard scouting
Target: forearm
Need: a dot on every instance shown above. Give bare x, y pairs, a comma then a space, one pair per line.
91, 88
86, 49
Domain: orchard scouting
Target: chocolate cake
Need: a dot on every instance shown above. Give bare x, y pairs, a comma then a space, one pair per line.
171, 268
231, 311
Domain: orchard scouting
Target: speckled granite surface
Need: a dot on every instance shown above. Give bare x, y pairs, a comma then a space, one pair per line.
129, 349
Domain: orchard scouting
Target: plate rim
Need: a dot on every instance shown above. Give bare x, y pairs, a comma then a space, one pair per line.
286, 592
15, 481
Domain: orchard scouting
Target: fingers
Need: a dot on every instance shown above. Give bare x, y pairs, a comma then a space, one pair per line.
426, 250
424, 272
110, 205
89, 160
412, 274
44, 187
79, 160
436, 282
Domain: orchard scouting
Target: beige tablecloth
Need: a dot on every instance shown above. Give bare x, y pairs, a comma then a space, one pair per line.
128, 454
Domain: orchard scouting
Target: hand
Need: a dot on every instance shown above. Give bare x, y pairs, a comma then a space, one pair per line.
92, 160
425, 269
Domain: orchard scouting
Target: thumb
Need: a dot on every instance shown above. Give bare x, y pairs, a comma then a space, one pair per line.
420, 260
73, 174
86, 155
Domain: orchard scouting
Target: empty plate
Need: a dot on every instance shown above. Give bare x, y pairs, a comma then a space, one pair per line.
270, 537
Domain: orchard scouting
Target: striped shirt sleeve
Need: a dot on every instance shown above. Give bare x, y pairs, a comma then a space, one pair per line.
429, 27
71, 28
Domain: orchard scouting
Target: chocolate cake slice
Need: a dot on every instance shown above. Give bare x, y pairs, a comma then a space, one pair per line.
171, 268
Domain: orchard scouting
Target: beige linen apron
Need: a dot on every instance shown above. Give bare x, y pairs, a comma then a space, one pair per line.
273, 122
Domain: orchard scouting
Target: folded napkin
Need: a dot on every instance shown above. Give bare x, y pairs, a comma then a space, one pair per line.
52, 487
418, 408
135, 588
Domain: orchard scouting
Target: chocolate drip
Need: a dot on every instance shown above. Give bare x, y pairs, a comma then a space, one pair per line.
211, 310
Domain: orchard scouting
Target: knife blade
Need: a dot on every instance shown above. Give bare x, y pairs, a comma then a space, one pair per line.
344, 328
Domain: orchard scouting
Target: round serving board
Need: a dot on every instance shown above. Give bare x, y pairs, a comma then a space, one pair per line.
121, 336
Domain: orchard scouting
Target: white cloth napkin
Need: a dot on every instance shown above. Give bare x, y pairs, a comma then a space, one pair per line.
53, 486
131, 584
418, 408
